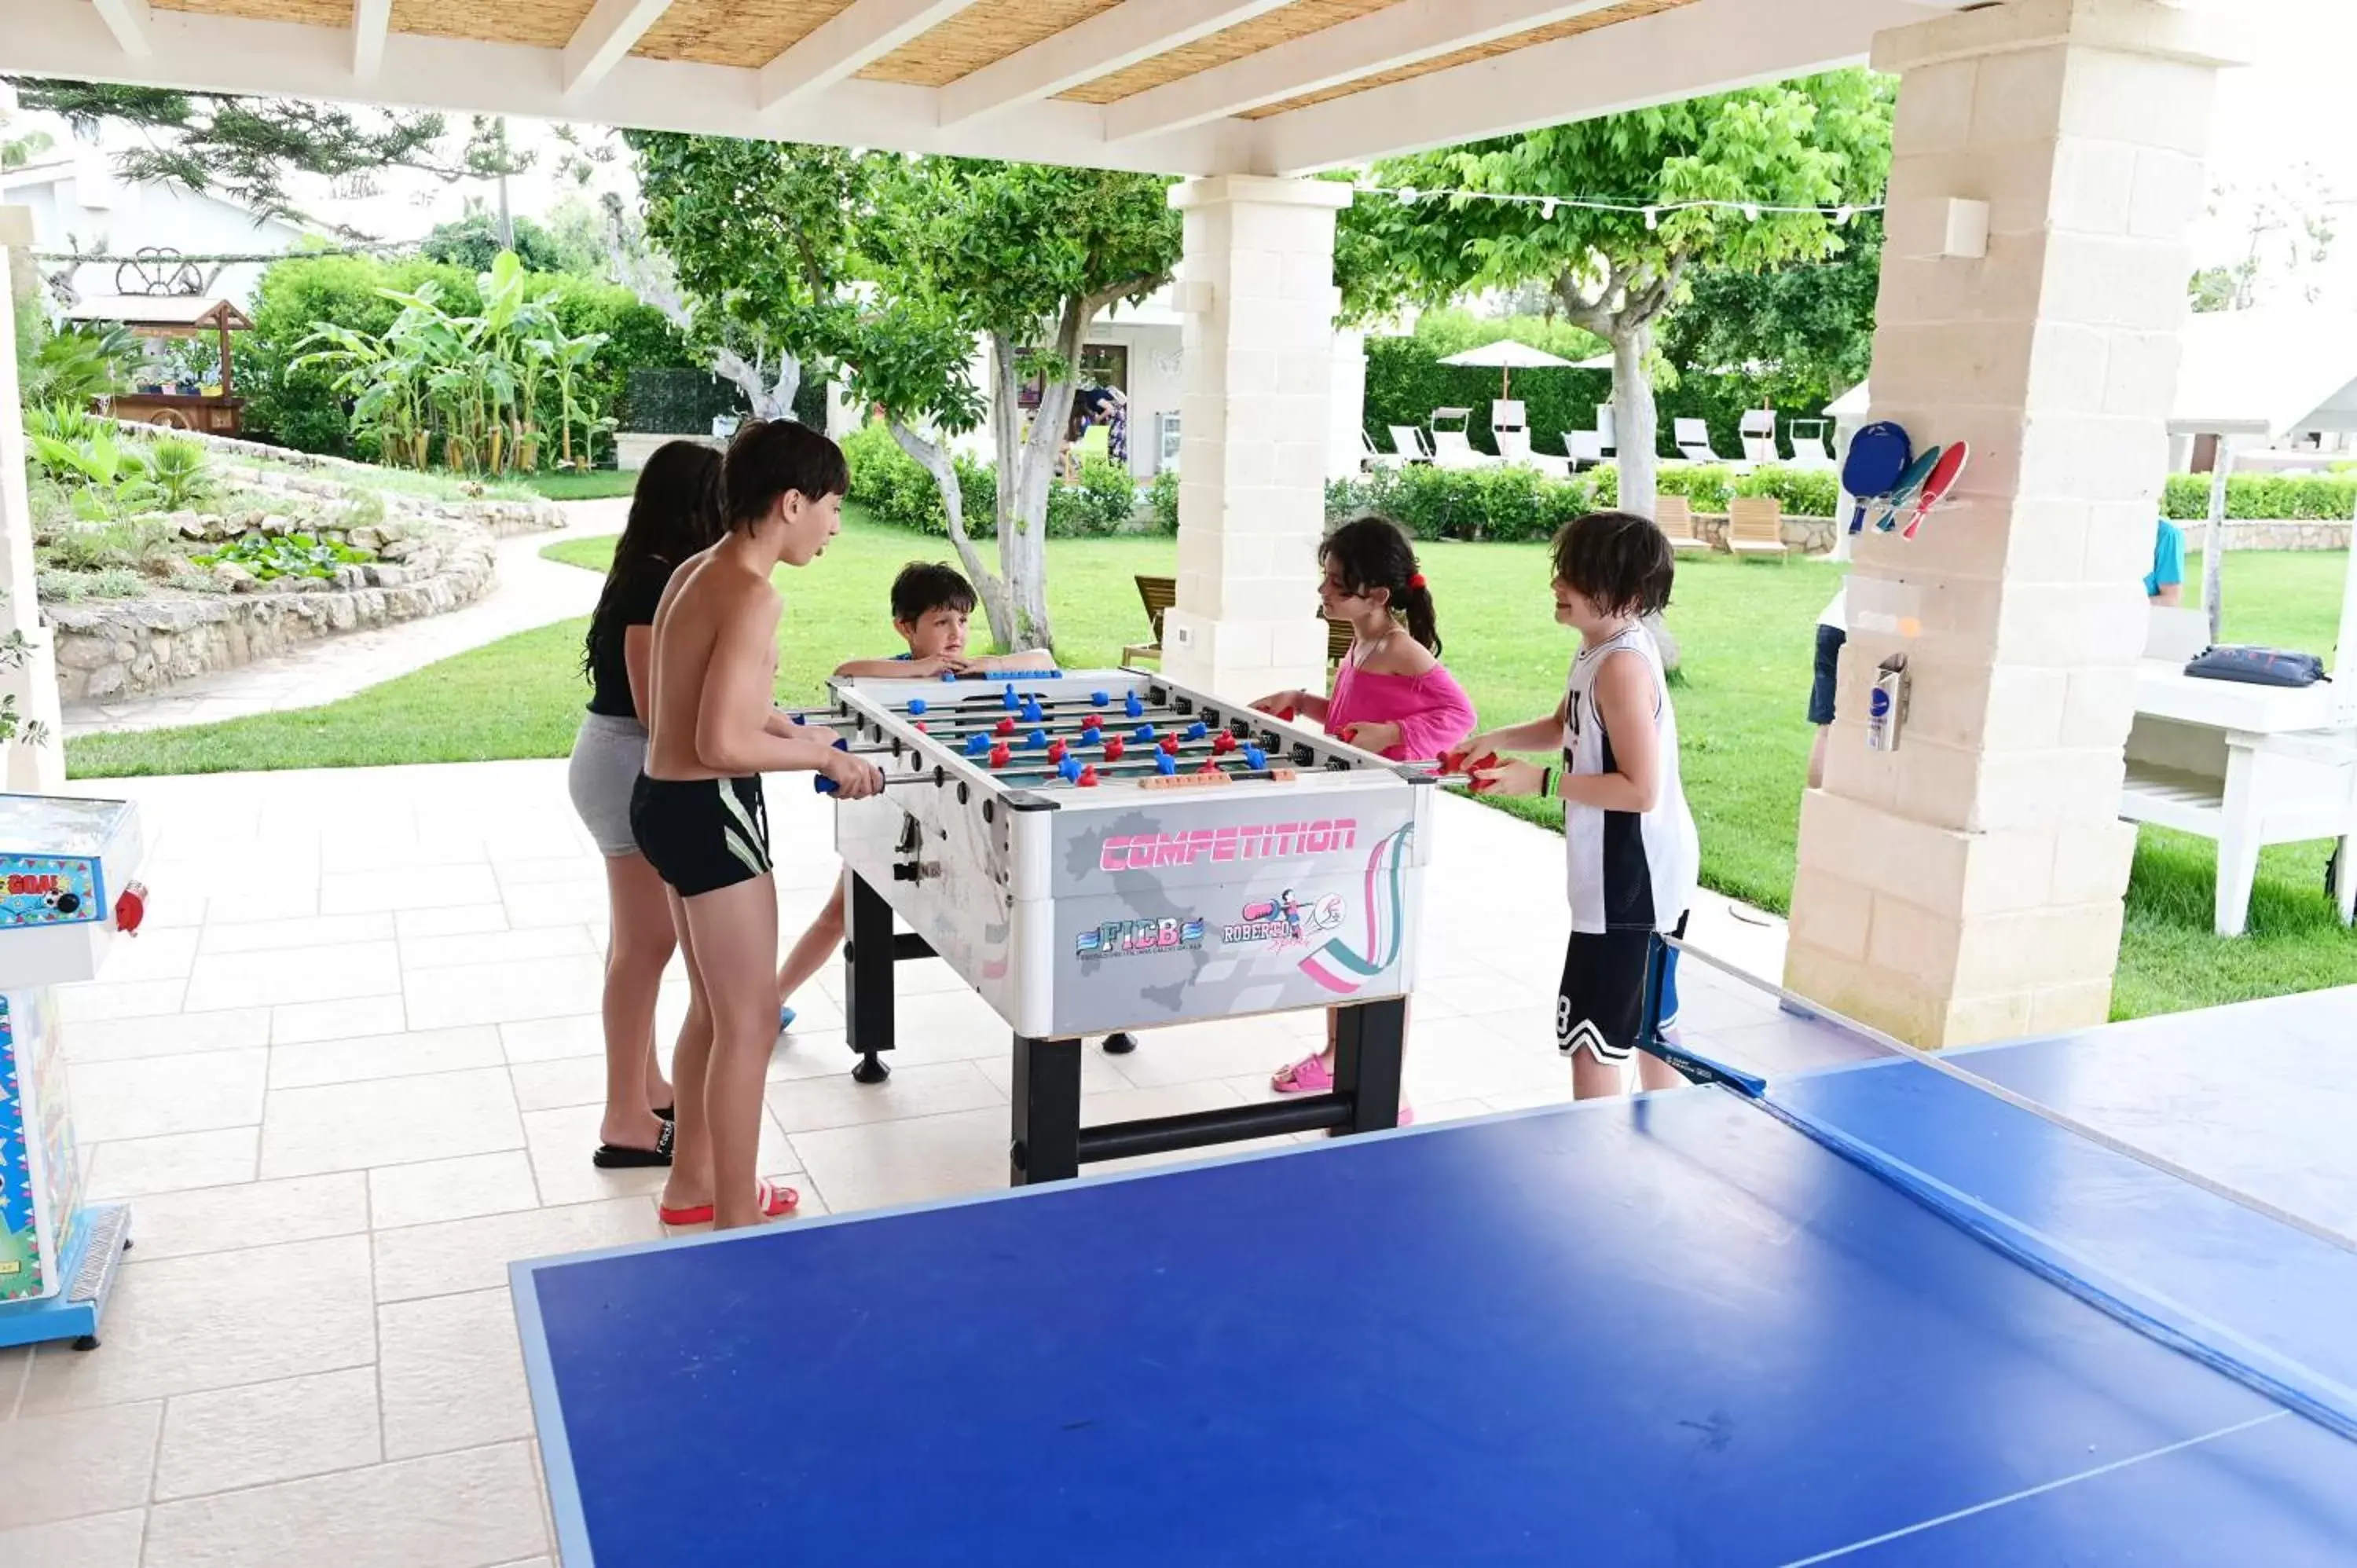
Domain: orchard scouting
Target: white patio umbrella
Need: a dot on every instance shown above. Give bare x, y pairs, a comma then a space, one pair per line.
1506, 356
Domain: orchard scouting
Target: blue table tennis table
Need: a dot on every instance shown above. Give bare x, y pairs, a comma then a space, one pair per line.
1670, 1329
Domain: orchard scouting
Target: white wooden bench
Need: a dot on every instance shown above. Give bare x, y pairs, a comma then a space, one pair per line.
2245, 766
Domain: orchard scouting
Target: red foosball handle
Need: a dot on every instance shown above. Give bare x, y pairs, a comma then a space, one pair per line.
130, 909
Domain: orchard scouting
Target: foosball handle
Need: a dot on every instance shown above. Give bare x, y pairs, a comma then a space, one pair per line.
822, 783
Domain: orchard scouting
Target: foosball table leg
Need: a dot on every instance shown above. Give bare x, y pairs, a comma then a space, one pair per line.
1368, 1041
868, 954
1047, 1138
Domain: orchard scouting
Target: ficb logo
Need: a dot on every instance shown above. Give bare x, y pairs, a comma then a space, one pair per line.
1117, 937
1282, 921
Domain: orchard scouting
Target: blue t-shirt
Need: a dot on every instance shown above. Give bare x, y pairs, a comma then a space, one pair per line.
2168, 559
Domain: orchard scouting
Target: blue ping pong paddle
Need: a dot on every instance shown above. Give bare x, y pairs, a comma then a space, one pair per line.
1903, 494
1877, 456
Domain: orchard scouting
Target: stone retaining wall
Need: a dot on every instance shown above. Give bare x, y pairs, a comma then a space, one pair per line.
116, 648
1806, 535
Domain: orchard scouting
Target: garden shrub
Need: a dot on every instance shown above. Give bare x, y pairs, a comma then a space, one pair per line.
898, 489
2265, 497
1516, 503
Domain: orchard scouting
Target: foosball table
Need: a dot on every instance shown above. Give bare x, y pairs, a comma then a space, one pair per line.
1099, 850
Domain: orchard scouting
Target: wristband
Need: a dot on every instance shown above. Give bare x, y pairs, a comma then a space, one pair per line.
1546, 783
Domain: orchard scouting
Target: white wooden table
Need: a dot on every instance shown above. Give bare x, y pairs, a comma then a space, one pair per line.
2247, 766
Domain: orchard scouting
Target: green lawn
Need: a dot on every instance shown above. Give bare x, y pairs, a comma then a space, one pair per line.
596, 484
1748, 630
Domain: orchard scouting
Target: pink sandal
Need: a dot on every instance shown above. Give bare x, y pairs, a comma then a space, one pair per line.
1310, 1075
775, 1200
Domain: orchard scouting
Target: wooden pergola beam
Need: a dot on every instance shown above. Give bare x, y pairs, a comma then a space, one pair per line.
845, 43
1108, 42
605, 35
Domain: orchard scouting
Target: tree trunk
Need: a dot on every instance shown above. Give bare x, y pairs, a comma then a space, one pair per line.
1023, 497
997, 604
769, 399
1633, 418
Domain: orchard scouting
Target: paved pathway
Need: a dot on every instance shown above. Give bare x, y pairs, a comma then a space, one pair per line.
527, 591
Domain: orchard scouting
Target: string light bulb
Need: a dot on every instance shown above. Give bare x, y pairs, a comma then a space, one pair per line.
1652, 218
1843, 214
1751, 211
1407, 196
1546, 208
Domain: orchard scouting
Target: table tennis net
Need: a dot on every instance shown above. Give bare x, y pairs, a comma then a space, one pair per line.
2232, 1277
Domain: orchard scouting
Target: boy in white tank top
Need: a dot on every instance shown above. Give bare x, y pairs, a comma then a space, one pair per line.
1628, 838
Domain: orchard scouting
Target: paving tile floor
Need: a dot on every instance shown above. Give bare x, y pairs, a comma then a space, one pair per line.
350, 1070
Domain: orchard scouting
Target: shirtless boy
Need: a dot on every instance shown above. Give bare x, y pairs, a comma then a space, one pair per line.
712, 730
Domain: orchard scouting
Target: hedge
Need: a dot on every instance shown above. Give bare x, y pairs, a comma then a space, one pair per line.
302, 410
897, 488
1406, 382
2265, 497
1517, 504
680, 400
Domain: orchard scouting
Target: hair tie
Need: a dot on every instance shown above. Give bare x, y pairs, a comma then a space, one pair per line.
1416, 581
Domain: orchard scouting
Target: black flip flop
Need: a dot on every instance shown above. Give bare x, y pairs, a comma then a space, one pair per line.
619, 1157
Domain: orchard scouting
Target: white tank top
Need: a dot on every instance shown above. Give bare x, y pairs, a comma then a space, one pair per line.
1629, 870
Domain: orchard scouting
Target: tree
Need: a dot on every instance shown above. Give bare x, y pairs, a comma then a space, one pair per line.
1026, 257
473, 242
760, 241
1617, 269
247, 147
2287, 230
1803, 333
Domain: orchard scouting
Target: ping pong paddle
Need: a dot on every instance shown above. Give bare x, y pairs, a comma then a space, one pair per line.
1878, 455
1903, 493
1944, 476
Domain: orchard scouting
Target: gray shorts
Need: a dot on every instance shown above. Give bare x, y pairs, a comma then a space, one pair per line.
606, 757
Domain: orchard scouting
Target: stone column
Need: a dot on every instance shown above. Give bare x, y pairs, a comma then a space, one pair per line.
1968, 886
1256, 286
29, 768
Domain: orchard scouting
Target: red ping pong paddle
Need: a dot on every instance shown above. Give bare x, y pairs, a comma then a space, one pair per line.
1943, 479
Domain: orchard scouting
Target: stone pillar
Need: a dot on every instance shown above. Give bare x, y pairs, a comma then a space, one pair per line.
1256, 286
1968, 886
29, 768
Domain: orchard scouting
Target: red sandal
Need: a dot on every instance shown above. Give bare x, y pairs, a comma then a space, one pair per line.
775, 1200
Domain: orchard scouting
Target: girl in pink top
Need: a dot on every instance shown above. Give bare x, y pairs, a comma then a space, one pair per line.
1391, 695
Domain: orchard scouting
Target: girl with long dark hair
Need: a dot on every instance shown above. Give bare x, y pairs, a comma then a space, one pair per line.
1391, 695
675, 514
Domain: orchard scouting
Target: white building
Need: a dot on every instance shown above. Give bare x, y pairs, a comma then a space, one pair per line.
1141, 349
79, 202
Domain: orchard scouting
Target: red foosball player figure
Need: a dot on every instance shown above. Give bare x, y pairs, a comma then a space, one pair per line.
1115, 748
1004, 727
1169, 744
1088, 779
999, 756
1056, 750
1223, 743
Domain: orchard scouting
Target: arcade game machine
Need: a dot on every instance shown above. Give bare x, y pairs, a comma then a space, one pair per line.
65, 890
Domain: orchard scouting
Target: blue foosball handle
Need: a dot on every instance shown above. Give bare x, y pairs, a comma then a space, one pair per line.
822, 783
